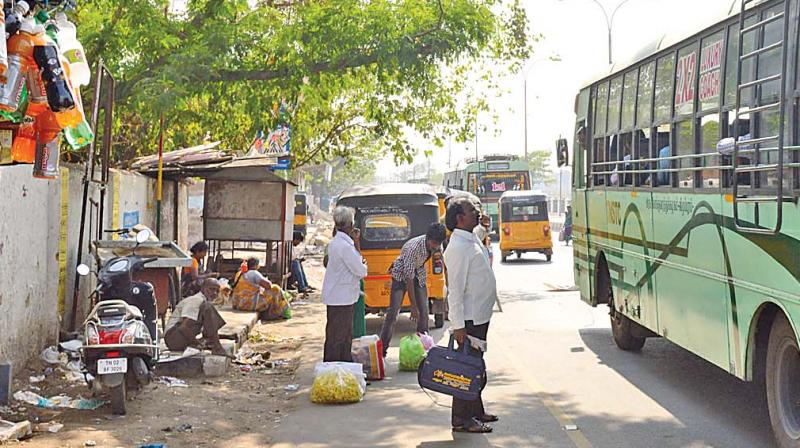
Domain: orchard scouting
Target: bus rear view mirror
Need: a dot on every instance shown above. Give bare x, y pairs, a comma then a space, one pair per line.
562, 152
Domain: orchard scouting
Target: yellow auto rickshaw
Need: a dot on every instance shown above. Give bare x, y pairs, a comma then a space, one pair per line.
300, 212
524, 224
388, 216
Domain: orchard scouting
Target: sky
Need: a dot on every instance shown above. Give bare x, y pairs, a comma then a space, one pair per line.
576, 31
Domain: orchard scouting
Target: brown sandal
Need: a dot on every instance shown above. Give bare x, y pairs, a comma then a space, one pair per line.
488, 418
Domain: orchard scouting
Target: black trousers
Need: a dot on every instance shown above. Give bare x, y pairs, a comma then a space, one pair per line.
464, 410
339, 333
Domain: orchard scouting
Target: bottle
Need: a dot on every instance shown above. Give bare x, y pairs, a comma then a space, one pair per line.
23, 150
81, 134
52, 74
45, 165
21, 65
72, 50
13, 17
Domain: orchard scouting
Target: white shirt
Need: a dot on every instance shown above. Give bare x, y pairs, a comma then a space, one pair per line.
345, 269
471, 289
296, 253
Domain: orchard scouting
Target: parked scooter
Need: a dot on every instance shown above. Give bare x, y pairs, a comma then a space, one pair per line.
121, 340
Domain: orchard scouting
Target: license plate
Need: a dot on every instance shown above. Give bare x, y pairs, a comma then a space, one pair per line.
113, 365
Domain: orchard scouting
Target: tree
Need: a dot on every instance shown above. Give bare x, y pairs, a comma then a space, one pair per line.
361, 73
540, 167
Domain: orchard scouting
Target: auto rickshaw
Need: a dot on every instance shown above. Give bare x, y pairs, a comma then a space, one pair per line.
524, 224
300, 212
388, 216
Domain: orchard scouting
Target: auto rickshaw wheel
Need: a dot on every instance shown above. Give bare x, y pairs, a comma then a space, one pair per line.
519, 254
549, 257
438, 320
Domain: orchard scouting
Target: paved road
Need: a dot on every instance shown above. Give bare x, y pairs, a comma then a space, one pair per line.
552, 363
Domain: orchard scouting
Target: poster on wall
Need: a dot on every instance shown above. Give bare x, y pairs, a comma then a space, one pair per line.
130, 219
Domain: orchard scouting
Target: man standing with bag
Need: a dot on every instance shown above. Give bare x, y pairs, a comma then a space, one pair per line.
472, 293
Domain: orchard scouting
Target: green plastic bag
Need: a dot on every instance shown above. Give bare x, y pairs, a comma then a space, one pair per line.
411, 352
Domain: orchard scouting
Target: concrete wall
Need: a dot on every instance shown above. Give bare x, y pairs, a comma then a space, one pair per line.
39, 247
28, 263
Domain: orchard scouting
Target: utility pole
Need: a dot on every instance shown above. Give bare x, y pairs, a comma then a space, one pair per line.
609, 23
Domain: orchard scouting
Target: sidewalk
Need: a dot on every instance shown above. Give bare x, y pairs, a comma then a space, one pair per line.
395, 412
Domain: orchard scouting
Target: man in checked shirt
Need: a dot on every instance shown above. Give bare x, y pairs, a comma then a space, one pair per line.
410, 276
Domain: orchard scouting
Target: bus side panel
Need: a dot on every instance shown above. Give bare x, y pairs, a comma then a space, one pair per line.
596, 225
637, 287
765, 270
580, 245
692, 297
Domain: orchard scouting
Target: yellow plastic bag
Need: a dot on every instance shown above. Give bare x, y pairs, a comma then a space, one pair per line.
335, 383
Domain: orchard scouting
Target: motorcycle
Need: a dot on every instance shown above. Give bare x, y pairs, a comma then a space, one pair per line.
121, 343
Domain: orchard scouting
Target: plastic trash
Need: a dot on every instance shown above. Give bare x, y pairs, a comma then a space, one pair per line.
427, 341
411, 352
368, 351
71, 346
59, 401
36, 379
291, 387
170, 381
338, 383
51, 355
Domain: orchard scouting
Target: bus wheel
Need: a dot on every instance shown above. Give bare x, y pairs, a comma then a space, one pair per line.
783, 383
438, 320
622, 329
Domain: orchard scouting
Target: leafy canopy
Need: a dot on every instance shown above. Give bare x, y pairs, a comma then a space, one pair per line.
362, 73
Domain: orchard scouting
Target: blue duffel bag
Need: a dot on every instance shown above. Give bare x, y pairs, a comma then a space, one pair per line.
453, 372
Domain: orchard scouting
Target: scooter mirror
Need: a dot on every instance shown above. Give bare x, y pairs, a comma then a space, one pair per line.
83, 270
143, 235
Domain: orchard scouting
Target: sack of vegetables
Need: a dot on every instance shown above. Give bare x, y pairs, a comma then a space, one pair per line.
338, 383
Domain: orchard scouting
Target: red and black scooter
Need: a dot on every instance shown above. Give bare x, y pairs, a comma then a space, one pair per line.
120, 336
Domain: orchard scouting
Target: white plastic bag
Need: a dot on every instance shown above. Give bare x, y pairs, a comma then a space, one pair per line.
338, 382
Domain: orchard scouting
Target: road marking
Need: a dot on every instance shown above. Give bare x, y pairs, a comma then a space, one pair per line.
575, 435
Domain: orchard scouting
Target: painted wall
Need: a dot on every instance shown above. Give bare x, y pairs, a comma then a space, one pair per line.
39, 247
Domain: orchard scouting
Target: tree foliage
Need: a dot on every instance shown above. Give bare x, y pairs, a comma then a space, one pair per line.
540, 167
362, 73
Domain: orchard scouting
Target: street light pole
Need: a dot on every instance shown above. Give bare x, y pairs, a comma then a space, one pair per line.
609, 24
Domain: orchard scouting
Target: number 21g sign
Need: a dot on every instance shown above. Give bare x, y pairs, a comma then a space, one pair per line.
684, 83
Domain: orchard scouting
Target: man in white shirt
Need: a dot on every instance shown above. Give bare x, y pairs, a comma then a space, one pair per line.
472, 293
340, 287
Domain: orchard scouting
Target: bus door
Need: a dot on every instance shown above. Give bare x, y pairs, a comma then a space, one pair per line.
582, 260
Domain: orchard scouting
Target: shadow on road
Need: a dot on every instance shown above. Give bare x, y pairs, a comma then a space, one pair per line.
685, 385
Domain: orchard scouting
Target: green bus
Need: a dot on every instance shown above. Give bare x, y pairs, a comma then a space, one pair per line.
686, 219
490, 177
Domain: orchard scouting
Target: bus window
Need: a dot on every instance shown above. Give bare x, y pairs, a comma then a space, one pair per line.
684, 146
769, 63
614, 97
600, 110
742, 133
628, 100
685, 77
644, 105
664, 152
641, 148
748, 69
663, 100
598, 160
710, 72
709, 136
